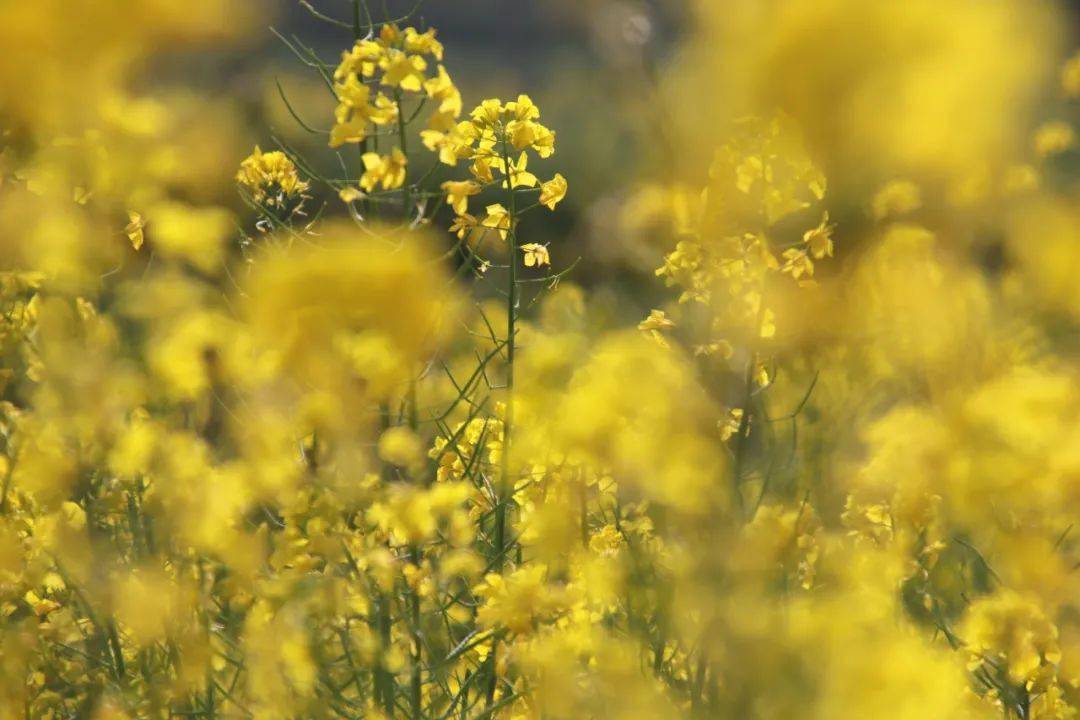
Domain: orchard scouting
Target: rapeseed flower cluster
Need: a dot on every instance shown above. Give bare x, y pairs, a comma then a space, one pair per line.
361, 450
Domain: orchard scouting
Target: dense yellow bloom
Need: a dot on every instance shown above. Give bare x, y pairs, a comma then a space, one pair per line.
518, 601
902, 91
386, 170
486, 139
338, 307
614, 419
354, 112
358, 469
412, 516
196, 351
396, 57
1008, 629
271, 178
423, 43
725, 254
402, 70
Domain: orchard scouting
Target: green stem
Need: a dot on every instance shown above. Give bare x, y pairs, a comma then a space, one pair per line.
384, 678
511, 346
417, 679
405, 188
117, 650
741, 436
414, 422
506, 485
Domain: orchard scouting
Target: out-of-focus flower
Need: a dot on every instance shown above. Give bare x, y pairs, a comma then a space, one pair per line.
895, 199
1053, 138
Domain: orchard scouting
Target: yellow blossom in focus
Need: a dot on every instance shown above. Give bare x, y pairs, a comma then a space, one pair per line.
271, 178
655, 324
553, 191
386, 170
458, 194
134, 229
423, 43
536, 255
403, 70
497, 218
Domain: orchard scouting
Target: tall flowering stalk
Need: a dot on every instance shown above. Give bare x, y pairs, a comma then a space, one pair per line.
381, 85
332, 466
